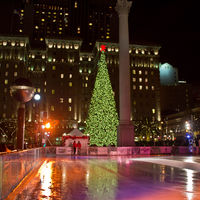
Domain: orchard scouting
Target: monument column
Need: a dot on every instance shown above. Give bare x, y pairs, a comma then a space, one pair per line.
125, 129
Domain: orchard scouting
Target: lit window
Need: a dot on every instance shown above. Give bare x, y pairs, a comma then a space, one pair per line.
52, 91
62, 76
70, 76
61, 100
53, 67
41, 39
7, 66
6, 73
146, 87
80, 70
152, 73
140, 79
86, 78
153, 111
86, 84
134, 102
69, 108
140, 72
156, 52
15, 74
45, 90
38, 90
4, 43
6, 81
76, 46
36, 27
5, 90
140, 87
45, 83
134, 72
134, 79
90, 24
42, 19
134, 87
146, 72
16, 66
69, 100
146, 80
75, 4
43, 56
12, 43
152, 87
20, 30
70, 84
50, 45
52, 108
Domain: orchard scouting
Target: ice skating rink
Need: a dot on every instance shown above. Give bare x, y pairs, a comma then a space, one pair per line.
110, 178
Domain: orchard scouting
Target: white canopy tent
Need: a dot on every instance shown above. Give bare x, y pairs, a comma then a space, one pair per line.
76, 135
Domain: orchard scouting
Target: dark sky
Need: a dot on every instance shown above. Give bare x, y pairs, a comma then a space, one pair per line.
173, 24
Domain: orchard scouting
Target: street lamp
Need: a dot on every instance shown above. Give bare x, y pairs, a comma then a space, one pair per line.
37, 98
45, 127
23, 92
189, 135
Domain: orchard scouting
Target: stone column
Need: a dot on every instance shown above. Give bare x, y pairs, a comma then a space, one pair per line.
21, 126
126, 128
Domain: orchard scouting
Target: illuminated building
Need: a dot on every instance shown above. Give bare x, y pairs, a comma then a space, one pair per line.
64, 76
54, 44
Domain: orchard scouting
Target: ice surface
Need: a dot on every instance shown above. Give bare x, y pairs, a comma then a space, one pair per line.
110, 178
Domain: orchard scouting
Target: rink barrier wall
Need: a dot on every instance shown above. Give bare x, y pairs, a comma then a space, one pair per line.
14, 166
119, 151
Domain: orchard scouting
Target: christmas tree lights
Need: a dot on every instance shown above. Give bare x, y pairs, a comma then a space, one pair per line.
102, 120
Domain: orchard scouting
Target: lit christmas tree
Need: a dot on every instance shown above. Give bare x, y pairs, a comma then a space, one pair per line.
102, 120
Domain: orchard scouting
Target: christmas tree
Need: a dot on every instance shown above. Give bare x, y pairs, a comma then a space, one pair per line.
102, 120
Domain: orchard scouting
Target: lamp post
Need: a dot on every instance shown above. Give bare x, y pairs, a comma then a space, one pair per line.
23, 92
189, 135
37, 98
45, 127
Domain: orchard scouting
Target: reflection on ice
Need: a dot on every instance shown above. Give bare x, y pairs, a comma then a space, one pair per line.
113, 178
189, 184
45, 172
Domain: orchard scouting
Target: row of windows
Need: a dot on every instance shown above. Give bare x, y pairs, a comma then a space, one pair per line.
141, 87
136, 51
140, 80
52, 108
140, 72
12, 43
63, 46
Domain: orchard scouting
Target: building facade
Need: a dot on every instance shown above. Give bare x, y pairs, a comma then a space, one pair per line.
64, 76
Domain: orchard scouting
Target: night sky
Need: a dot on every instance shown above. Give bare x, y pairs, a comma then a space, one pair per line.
174, 25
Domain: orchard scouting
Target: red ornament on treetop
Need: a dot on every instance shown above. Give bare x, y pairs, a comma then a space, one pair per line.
103, 48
